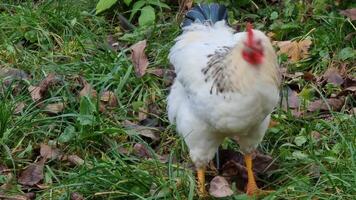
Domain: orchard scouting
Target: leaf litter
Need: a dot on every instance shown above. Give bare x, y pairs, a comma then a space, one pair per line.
139, 58
296, 50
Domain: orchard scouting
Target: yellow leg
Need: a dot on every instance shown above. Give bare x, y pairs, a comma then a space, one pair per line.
252, 188
201, 182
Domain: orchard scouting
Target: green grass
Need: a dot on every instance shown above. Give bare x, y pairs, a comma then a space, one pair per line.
66, 37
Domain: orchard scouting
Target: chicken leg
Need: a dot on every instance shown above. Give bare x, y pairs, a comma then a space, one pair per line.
201, 182
252, 189
251, 183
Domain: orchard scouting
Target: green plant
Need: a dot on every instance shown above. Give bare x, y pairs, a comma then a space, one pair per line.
146, 8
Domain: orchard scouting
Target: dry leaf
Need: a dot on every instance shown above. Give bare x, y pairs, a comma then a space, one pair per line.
141, 151
350, 13
295, 50
33, 174
351, 89
87, 89
19, 107
291, 101
26, 196
335, 104
109, 99
76, 196
219, 187
37, 92
332, 75
139, 58
185, 5
114, 44
148, 132
308, 76
76, 160
48, 152
233, 167
54, 108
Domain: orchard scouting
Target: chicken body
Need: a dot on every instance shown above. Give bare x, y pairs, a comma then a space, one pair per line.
218, 94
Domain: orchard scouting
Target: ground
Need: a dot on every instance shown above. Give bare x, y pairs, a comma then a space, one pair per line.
96, 129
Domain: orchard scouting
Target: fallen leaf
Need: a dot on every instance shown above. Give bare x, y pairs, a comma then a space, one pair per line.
141, 151
351, 89
185, 5
33, 174
76, 196
350, 13
76, 160
54, 108
109, 99
335, 104
291, 100
142, 113
26, 196
19, 107
315, 135
296, 50
114, 44
145, 131
332, 75
37, 92
314, 171
87, 89
308, 76
9, 74
219, 187
139, 58
233, 167
48, 152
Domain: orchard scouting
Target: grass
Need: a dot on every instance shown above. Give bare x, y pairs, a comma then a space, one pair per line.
66, 37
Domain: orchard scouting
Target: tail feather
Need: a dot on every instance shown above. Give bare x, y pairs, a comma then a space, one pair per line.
203, 13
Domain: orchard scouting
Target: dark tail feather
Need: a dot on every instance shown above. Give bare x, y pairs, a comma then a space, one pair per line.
203, 13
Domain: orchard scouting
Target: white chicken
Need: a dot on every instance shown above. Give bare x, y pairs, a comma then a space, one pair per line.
227, 85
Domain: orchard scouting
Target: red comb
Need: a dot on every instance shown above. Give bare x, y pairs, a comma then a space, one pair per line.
254, 52
249, 34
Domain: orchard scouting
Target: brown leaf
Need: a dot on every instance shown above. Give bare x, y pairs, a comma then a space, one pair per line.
33, 174
9, 74
76, 196
87, 89
351, 89
332, 75
109, 99
335, 104
308, 76
294, 49
139, 58
48, 152
141, 151
219, 187
233, 166
350, 13
27, 196
114, 44
145, 131
76, 160
19, 107
185, 5
54, 108
291, 101
37, 92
